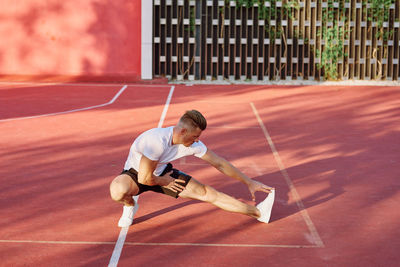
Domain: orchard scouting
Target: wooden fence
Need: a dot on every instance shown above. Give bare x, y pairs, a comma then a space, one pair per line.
276, 40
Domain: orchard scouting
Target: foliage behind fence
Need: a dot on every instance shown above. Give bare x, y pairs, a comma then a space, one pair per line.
276, 40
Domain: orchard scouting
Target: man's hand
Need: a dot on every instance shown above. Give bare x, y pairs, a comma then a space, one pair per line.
175, 185
255, 186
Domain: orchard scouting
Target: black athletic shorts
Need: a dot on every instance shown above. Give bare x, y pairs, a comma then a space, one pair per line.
177, 174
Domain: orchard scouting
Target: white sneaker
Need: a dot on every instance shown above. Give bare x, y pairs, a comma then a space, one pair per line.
265, 207
128, 213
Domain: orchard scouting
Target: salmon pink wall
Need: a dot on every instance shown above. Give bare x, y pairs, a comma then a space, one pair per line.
96, 39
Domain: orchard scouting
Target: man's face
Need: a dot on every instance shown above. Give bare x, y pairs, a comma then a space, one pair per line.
191, 136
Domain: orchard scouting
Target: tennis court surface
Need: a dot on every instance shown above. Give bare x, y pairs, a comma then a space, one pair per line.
331, 152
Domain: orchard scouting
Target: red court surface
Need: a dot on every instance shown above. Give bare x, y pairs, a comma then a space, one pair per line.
331, 152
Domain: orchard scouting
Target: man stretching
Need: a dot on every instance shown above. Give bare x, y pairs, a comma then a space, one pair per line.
148, 169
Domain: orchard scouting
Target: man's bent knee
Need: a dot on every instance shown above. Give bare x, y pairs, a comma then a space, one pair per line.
119, 188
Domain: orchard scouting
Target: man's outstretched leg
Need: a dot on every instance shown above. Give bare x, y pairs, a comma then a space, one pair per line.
198, 191
123, 190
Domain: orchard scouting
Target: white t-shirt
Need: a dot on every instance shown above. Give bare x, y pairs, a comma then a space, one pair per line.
155, 144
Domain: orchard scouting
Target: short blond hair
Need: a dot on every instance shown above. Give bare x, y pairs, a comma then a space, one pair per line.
194, 119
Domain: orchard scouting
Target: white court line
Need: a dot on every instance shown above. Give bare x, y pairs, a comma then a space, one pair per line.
124, 230
317, 239
118, 246
73, 110
158, 244
164, 112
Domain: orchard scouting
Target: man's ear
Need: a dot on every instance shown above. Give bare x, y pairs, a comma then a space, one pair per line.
183, 131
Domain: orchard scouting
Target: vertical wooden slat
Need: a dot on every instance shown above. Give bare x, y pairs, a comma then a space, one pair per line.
174, 54
345, 39
254, 41
197, 46
249, 43
390, 46
319, 44
168, 40
277, 47
242, 44
266, 44
208, 44
185, 66
396, 40
296, 75
214, 44
289, 66
357, 39
261, 55
285, 46
156, 45
227, 33
232, 34
307, 43
237, 44
203, 51
351, 35
163, 53
220, 52
340, 24
300, 42
312, 39
368, 47
362, 35
381, 52
184, 11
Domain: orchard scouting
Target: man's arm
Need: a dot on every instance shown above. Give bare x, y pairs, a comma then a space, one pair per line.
228, 169
146, 176
145, 173
225, 167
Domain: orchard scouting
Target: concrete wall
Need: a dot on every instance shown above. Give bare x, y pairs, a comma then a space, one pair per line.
70, 40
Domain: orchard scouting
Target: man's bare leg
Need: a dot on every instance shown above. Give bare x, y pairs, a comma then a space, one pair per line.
123, 190
198, 191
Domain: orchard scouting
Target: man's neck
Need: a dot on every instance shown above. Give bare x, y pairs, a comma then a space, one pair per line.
174, 136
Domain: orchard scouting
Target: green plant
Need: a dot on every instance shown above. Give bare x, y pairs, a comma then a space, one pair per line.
192, 21
191, 29
333, 38
332, 30
289, 6
378, 12
333, 51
